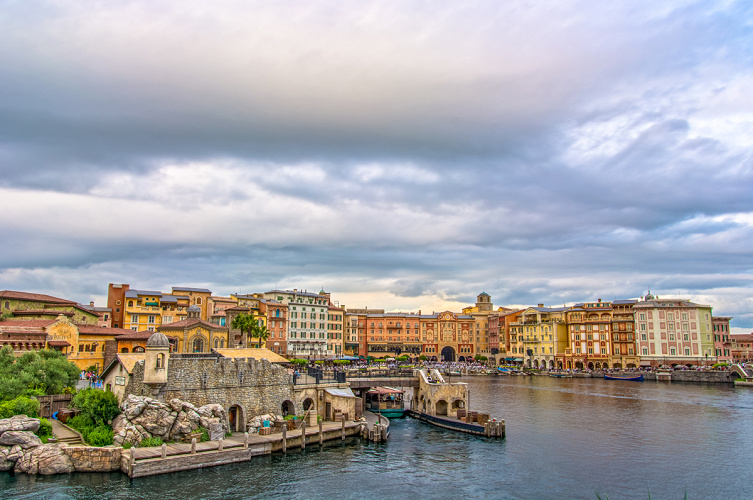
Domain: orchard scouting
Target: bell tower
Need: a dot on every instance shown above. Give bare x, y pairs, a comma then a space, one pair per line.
156, 361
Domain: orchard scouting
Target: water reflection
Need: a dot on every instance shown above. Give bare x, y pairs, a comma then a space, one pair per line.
566, 438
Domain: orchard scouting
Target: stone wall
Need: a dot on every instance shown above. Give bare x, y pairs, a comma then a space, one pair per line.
93, 459
712, 377
253, 387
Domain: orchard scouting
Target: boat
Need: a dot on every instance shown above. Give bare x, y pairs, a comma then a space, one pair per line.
630, 378
387, 401
561, 375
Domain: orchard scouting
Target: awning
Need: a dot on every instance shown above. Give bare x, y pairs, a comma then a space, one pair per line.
342, 393
58, 343
518, 359
350, 358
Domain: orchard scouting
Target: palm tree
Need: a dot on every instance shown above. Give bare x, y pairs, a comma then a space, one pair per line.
245, 323
261, 332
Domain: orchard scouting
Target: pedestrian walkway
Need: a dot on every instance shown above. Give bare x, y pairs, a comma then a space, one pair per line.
63, 433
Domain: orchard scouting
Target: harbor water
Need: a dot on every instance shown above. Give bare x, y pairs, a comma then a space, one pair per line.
566, 438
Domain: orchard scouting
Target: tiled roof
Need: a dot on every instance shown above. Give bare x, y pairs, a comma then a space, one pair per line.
38, 297
101, 330
46, 312
30, 323
186, 289
254, 353
184, 323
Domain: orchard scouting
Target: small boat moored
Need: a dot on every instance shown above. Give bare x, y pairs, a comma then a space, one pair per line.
386, 400
634, 378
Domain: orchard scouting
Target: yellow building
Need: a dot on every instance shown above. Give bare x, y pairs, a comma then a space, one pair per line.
83, 344
480, 313
195, 335
541, 335
147, 310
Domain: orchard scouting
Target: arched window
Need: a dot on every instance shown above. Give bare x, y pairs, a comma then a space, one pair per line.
138, 348
216, 343
160, 361
130, 303
277, 312
198, 301
198, 344
7, 305
124, 350
222, 343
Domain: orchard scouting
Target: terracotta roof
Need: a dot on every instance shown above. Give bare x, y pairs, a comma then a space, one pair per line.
38, 297
39, 312
238, 308
254, 353
30, 323
188, 322
101, 330
58, 343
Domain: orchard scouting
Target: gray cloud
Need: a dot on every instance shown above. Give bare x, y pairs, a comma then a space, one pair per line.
405, 153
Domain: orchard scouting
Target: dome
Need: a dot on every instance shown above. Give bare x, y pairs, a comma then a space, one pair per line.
157, 339
194, 308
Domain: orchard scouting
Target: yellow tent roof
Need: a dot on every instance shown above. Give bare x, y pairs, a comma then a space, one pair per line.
129, 360
254, 353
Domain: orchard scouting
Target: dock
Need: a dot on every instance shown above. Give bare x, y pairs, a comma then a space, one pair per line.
240, 447
492, 428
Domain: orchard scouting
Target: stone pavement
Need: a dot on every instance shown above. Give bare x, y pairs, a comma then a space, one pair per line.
63, 433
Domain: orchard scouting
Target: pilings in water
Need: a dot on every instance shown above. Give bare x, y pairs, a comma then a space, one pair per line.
494, 428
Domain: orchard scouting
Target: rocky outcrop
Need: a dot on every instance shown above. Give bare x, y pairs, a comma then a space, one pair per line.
19, 423
22, 451
45, 459
143, 417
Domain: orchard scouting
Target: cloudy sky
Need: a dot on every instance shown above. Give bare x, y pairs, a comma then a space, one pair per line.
400, 154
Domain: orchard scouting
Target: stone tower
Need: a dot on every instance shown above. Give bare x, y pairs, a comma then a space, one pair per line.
156, 361
484, 303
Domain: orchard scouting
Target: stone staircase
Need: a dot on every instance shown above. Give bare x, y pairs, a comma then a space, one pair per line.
65, 434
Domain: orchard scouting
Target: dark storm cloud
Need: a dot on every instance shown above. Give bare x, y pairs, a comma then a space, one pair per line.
542, 153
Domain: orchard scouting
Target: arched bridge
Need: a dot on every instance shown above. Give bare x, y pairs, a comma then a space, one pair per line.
744, 373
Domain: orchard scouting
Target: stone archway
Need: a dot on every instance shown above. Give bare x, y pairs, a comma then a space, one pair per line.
288, 408
590, 366
307, 404
578, 365
441, 407
461, 359
236, 418
448, 354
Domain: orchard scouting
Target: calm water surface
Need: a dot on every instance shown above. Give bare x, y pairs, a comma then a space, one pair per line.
566, 438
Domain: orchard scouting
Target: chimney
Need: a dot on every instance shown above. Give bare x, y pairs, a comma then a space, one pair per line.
599, 300
541, 305
91, 303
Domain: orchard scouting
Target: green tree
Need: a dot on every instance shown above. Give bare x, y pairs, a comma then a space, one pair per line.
243, 322
35, 373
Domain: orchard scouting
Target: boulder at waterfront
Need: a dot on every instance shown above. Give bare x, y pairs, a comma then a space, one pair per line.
143, 417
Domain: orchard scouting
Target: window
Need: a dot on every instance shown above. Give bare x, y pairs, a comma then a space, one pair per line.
644, 351
198, 345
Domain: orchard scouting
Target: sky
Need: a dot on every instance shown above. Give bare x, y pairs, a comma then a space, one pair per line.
404, 155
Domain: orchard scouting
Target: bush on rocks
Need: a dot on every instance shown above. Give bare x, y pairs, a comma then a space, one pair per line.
22, 405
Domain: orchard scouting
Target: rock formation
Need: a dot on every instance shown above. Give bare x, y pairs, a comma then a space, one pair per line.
22, 451
144, 417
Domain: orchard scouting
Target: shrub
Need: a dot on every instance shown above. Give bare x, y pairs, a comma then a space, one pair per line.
127, 445
318, 362
45, 429
99, 436
298, 361
151, 441
204, 434
422, 357
100, 406
22, 405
